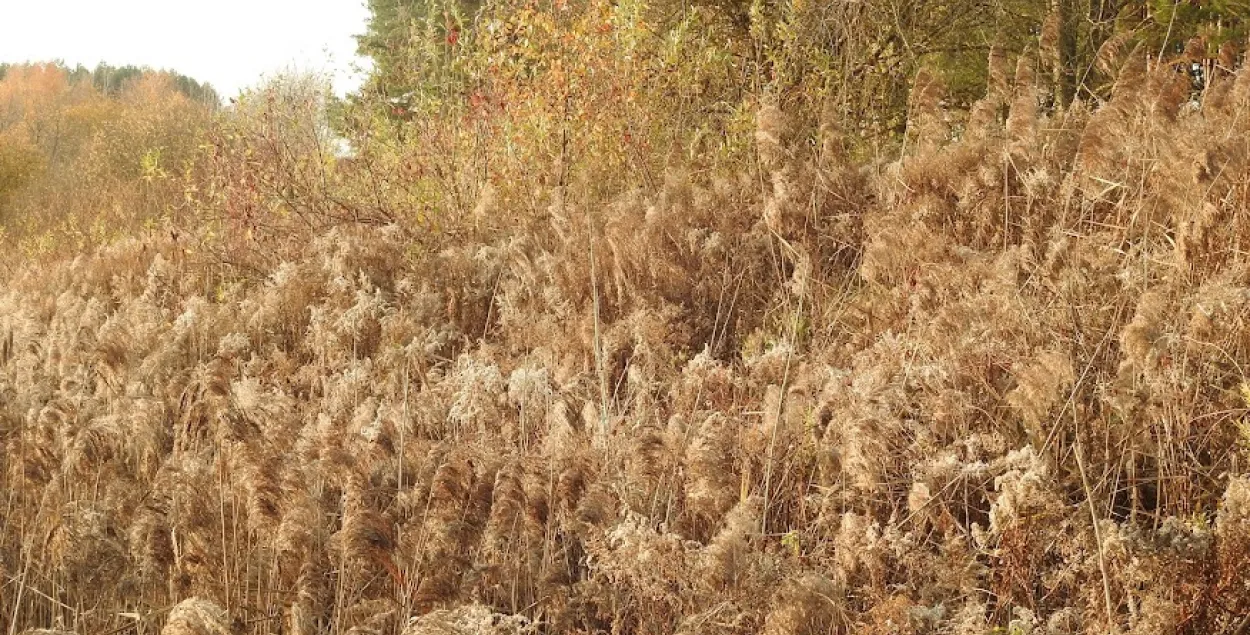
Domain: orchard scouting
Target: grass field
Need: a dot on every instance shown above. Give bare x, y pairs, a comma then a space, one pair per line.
996, 384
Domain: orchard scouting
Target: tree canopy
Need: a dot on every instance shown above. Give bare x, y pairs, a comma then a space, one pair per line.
861, 54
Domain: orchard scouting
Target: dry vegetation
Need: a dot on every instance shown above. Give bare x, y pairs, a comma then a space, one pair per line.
998, 385
84, 161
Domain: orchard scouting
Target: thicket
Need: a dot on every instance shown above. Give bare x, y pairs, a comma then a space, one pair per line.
87, 157
603, 320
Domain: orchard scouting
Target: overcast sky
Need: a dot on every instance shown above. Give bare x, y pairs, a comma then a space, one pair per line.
229, 43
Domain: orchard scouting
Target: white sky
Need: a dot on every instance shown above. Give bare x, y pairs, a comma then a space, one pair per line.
230, 44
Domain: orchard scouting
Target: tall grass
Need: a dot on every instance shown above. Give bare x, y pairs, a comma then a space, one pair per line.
995, 385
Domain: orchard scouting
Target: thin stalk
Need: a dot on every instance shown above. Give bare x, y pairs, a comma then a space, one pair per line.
603, 378
781, 401
1093, 517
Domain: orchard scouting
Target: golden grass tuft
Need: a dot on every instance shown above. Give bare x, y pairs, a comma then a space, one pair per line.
197, 616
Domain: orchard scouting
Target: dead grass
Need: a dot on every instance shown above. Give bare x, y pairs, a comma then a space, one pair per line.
999, 383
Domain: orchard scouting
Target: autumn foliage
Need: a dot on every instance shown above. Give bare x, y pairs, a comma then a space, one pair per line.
83, 164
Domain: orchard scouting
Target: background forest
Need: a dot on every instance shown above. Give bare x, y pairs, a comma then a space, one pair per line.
818, 316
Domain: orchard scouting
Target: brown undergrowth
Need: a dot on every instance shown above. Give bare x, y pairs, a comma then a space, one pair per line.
998, 385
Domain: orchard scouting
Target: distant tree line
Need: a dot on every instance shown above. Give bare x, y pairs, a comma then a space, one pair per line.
112, 80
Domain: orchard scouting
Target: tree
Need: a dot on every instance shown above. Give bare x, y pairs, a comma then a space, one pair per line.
74, 152
112, 80
410, 42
